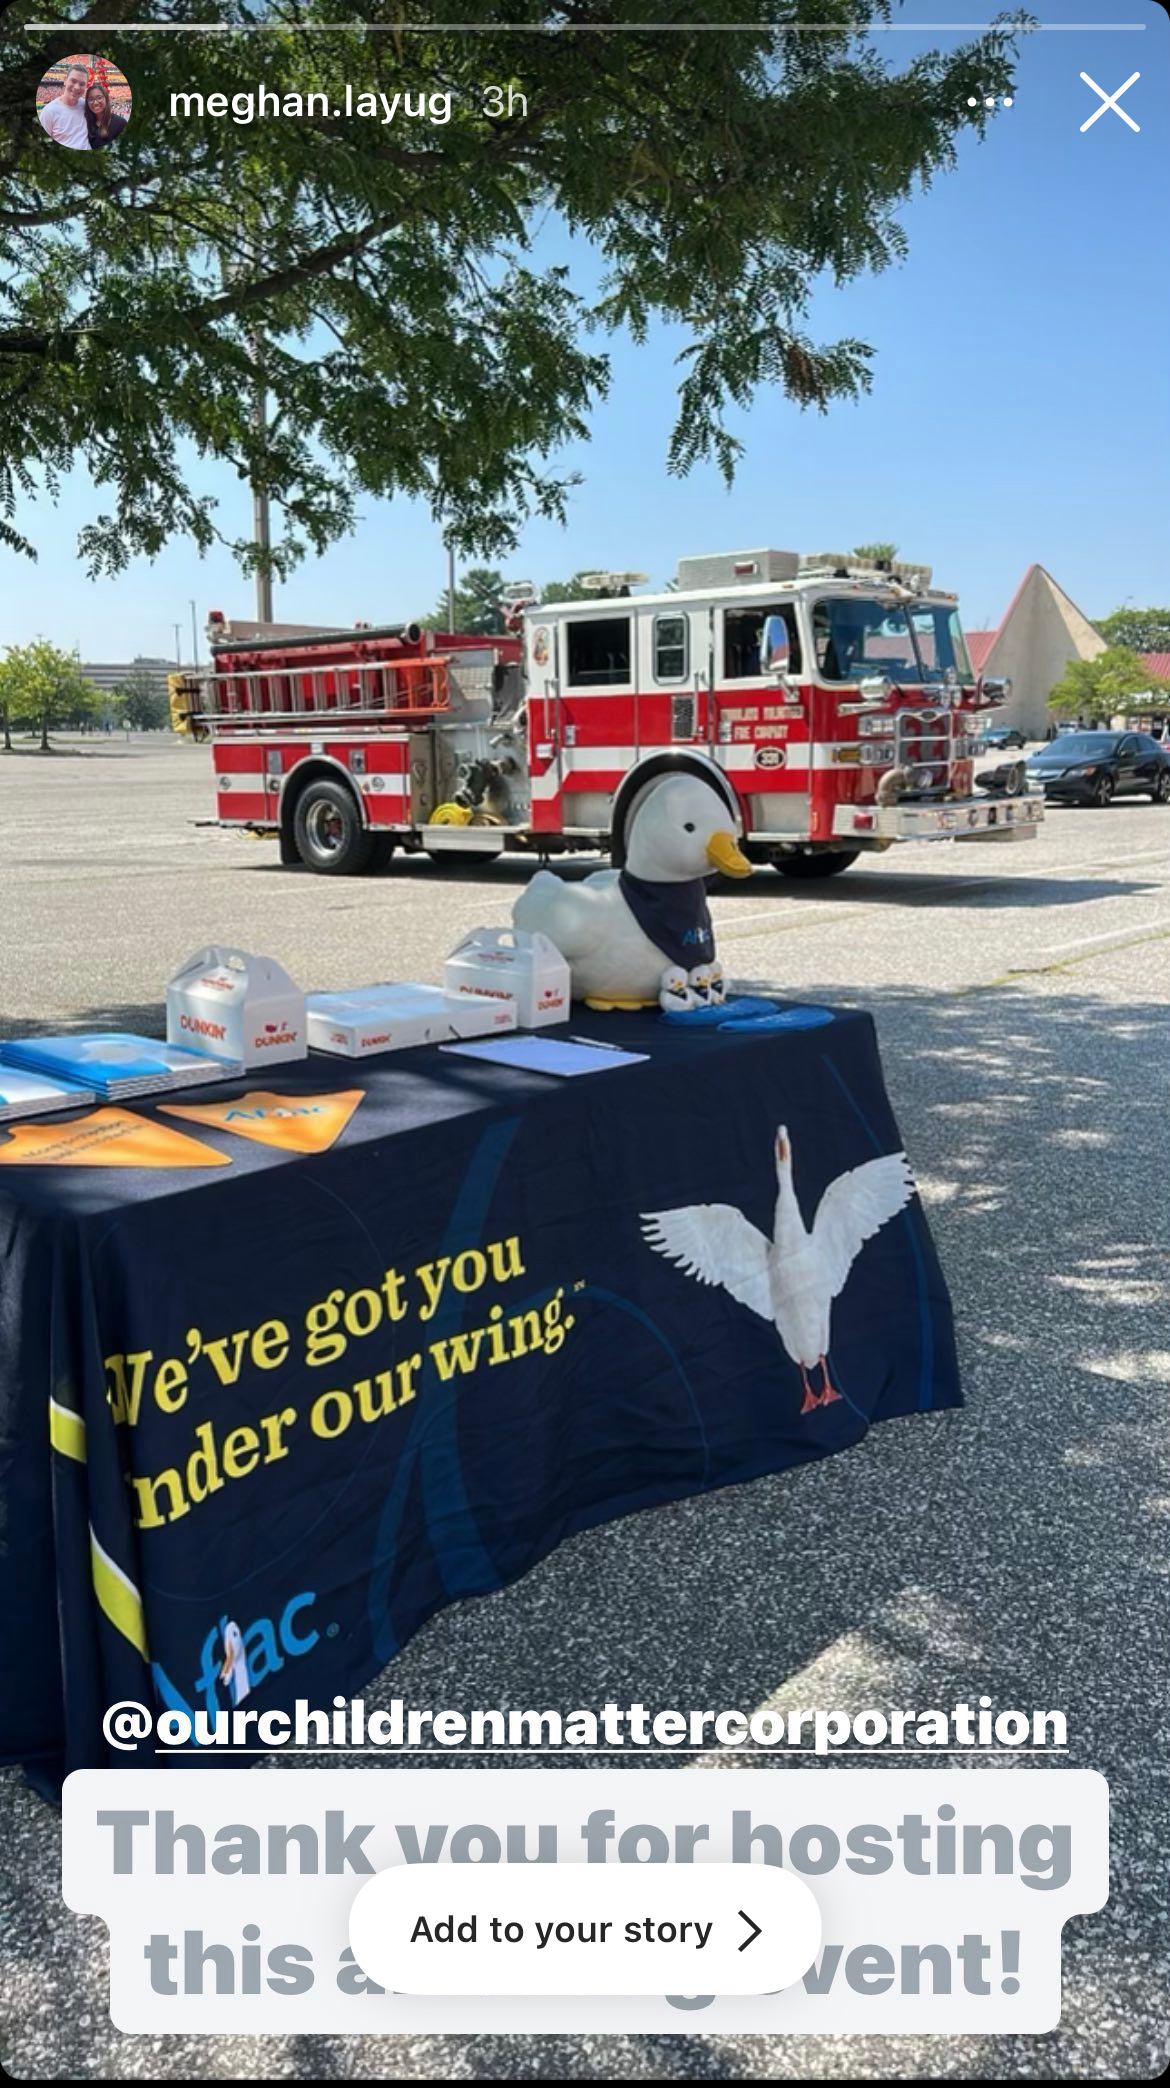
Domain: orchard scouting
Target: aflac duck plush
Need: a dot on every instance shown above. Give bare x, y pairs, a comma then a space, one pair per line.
642, 936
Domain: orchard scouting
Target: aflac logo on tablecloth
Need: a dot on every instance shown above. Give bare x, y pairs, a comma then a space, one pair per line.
237, 1658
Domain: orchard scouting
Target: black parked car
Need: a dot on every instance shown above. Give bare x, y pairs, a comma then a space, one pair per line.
1004, 736
1092, 768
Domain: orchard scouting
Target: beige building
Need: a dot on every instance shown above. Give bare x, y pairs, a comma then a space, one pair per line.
106, 676
1042, 631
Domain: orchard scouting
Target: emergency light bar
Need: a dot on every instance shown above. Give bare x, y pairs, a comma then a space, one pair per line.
612, 583
736, 569
846, 565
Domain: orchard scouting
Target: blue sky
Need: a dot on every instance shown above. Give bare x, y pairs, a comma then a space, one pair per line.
1020, 407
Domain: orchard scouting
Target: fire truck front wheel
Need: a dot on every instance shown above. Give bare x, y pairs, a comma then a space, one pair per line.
328, 830
828, 862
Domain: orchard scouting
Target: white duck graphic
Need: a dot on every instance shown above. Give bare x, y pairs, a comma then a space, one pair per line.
235, 1664
793, 1278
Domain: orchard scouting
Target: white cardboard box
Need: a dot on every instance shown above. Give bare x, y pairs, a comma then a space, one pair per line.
236, 1006
391, 1018
491, 962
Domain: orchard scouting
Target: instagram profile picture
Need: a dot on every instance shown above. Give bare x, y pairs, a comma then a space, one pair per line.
84, 102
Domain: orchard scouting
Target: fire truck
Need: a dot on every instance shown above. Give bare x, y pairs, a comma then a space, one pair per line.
831, 702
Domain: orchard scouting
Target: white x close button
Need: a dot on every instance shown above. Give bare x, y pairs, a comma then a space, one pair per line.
1110, 101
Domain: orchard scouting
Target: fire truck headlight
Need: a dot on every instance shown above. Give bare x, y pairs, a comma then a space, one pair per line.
724, 852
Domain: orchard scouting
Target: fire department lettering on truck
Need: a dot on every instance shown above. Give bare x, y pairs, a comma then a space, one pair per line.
831, 703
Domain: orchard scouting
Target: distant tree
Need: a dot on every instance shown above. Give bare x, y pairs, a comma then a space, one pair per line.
140, 703
573, 590
1097, 688
43, 688
1143, 630
478, 593
877, 553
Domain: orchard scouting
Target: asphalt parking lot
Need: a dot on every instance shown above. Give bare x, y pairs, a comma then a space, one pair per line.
1019, 1548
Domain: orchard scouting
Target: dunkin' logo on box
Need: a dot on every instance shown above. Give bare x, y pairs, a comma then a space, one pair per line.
200, 1027
275, 1033
218, 983
488, 992
550, 997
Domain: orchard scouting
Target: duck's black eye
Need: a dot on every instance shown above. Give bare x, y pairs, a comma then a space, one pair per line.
688, 826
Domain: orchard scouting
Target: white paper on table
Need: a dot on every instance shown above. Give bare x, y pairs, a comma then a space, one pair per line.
548, 1055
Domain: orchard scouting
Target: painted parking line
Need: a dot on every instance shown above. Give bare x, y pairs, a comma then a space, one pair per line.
1148, 855
777, 920
1126, 934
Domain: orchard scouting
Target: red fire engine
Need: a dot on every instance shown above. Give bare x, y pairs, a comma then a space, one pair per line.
831, 702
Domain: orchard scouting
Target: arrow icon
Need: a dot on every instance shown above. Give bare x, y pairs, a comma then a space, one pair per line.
754, 1926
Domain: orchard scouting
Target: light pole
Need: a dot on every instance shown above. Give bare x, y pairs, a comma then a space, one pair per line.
450, 586
178, 647
233, 267
261, 526
194, 639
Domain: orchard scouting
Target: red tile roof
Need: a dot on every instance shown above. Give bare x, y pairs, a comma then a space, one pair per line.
979, 644
1157, 664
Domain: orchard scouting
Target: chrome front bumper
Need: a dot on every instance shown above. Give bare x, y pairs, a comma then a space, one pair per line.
947, 819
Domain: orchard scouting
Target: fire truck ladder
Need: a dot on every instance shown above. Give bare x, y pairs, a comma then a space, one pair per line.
393, 691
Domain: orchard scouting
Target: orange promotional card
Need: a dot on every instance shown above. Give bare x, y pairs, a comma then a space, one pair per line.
294, 1123
106, 1138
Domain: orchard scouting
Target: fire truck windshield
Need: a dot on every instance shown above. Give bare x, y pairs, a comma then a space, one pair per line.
914, 643
939, 637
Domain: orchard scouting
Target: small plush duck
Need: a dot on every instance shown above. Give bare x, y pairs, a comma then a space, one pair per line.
674, 991
624, 931
706, 984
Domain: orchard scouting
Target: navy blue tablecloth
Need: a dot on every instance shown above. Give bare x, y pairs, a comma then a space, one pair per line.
258, 1423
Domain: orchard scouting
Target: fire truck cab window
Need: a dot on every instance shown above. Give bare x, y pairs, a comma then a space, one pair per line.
742, 631
855, 638
670, 648
941, 645
599, 652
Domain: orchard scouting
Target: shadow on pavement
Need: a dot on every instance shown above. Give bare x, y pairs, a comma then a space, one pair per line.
970, 884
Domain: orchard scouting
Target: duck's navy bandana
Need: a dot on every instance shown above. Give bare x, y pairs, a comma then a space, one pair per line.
675, 917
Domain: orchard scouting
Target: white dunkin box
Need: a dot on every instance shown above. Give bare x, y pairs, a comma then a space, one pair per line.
495, 961
236, 1006
367, 1019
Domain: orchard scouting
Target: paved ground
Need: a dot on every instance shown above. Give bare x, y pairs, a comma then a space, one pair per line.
1020, 1548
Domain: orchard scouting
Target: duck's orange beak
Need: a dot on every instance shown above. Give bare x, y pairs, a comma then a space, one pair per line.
724, 852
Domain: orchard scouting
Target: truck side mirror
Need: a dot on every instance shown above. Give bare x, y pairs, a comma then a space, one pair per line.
774, 646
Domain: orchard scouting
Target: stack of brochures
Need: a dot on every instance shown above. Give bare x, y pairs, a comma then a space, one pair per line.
388, 1018
117, 1065
31, 1094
